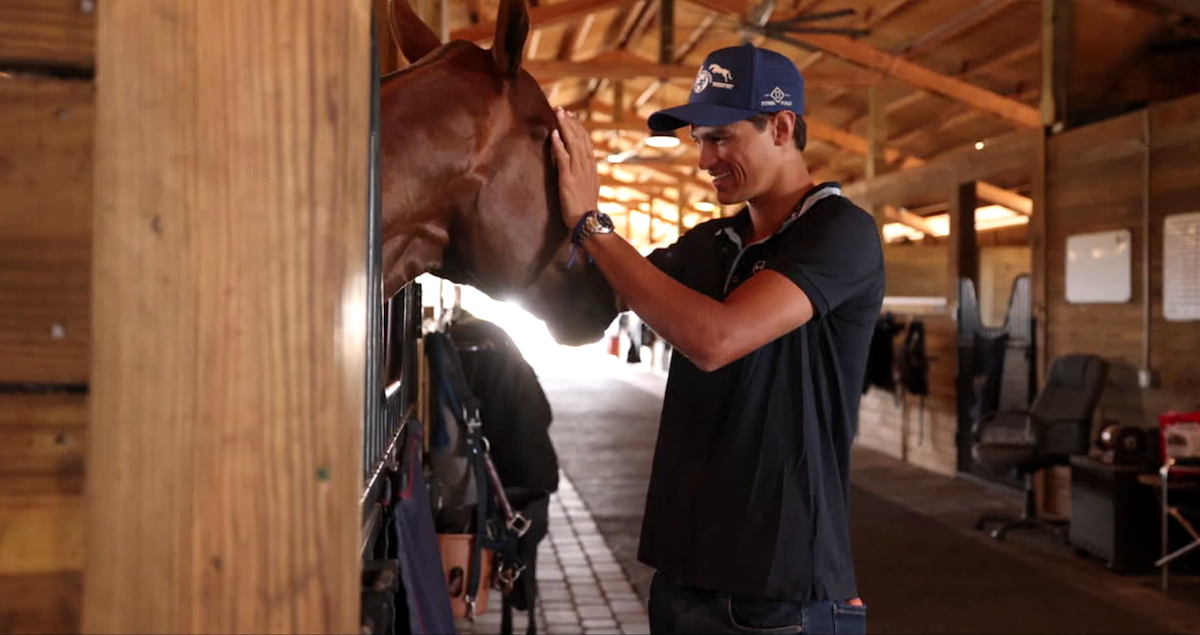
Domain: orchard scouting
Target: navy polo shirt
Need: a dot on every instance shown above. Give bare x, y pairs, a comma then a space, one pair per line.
749, 490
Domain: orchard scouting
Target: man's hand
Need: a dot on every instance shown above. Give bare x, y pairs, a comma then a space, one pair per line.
578, 181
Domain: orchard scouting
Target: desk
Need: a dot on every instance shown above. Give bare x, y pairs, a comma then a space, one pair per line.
1162, 480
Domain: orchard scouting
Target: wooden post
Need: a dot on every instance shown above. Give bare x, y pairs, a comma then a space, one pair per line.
876, 144
1038, 249
1056, 46
229, 317
963, 254
618, 97
680, 206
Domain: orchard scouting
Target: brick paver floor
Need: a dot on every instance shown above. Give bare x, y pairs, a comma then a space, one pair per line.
582, 587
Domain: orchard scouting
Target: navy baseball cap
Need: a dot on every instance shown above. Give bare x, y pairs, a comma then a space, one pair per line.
733, 84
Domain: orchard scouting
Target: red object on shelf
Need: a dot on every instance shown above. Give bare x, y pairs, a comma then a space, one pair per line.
1165, 422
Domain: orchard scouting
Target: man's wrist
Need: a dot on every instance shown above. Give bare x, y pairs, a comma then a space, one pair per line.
592, 222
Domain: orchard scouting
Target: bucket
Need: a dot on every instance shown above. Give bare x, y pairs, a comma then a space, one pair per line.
456, 565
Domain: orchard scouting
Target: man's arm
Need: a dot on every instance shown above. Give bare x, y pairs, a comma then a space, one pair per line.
710, 333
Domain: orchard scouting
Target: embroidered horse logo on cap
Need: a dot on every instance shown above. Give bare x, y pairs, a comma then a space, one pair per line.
717, 69
722, 72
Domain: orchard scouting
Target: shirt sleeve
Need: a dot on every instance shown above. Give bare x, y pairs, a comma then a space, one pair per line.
833, 253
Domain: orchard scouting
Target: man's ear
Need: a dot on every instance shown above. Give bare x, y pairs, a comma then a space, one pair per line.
783, 125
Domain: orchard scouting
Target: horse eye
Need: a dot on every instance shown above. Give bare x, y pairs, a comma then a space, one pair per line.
539, 133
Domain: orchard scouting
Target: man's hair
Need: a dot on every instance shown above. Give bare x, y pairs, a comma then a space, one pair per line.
799, 135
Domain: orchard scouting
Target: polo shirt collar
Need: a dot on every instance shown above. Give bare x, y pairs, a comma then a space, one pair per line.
740, 223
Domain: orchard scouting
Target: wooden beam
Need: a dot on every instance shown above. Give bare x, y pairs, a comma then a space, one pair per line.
963, 253
1038, 250
1189, 8
909, 219
854, 143
545, 70
876, 140
1056, 45
229, 310
869, 57
1014, 55
876, 132
968, 18
875, 18
970, 94
1011, 151
681, 52
556, 13
617, 67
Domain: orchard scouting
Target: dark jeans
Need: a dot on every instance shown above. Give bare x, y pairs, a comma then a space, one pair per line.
678, 609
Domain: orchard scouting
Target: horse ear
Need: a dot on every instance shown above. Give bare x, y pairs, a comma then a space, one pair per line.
416, 38
512, 27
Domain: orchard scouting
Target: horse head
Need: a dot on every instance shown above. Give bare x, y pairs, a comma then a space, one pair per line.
469, 188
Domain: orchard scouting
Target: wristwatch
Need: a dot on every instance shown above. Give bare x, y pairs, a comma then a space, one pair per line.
592, 223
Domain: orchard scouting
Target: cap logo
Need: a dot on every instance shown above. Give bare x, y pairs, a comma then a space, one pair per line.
703, 79
777, 97
723, 73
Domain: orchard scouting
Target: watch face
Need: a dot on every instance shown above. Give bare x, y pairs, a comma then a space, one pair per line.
601, 221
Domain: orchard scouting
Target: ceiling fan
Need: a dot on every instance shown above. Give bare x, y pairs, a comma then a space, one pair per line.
757, 23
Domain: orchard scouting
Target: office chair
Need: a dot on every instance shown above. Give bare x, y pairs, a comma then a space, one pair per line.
1057, 427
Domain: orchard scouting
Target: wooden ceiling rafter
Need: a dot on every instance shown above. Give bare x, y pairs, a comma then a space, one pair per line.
945, 107
948, 30
865, 55
869, 22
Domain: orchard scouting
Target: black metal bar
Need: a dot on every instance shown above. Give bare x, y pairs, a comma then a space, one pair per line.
810, 17
42, 69
372, 445
773, 29
35, 388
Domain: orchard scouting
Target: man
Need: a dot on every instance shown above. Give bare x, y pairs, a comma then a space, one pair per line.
771, 312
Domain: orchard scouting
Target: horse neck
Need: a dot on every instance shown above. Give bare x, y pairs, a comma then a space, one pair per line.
425, 182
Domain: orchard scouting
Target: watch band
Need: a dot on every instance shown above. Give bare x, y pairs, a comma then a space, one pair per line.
591, 223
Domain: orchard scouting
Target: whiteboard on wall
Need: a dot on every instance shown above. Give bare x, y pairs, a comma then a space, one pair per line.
1181, 267
1099, 267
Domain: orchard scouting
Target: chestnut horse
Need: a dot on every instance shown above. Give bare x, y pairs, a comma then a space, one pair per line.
469, 187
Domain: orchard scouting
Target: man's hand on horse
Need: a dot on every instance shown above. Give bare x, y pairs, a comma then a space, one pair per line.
578, 181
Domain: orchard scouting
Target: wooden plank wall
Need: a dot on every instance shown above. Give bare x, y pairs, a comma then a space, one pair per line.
922, 432
230, 267
1095, 183
915, 430
915, 269
46, 95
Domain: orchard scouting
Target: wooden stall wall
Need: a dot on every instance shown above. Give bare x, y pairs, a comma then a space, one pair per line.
1096, 182
907, 427
915, 269
46, 95
918, 430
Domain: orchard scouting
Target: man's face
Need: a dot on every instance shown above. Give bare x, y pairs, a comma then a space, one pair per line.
741, 158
